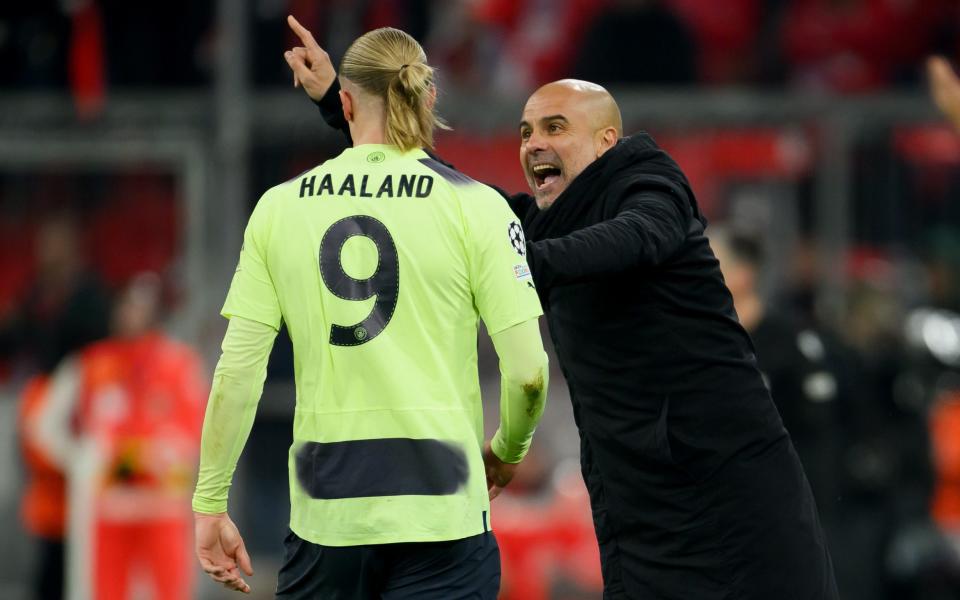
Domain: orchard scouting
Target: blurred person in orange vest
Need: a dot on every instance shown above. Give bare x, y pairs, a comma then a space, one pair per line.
43, 502
64, 308
123, 420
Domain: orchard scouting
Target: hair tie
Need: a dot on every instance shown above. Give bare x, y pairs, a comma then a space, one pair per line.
402, 67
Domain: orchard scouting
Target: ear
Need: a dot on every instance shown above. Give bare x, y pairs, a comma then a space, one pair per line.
346, 101
606, 138
432, 97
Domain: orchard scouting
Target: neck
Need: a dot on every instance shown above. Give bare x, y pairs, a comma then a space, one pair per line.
368, 132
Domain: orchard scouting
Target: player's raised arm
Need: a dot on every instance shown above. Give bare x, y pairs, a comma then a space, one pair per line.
310, 63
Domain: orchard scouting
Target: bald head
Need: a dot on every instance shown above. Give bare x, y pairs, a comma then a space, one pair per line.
595, 100
566, 125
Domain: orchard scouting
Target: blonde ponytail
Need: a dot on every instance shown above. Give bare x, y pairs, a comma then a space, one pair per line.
391, 65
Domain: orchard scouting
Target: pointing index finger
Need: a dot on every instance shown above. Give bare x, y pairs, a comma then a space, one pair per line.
303, 33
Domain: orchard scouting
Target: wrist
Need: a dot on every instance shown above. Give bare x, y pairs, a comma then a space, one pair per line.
201, 516
206, 506
506, 452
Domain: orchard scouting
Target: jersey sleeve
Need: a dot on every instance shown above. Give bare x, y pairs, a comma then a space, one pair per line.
252, 295
237, 386
503, 289
524, 374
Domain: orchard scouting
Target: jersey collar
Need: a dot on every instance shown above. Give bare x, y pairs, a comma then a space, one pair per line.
375, 153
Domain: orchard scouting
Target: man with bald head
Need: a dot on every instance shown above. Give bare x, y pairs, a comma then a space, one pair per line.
581, 120
695, 488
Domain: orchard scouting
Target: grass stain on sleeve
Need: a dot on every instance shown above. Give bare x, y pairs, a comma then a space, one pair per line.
533, 391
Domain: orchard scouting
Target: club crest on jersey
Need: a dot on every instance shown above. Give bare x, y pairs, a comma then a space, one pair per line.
517, 240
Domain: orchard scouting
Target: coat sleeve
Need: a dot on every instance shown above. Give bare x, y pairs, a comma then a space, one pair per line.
647, 230
331, 109
522, 205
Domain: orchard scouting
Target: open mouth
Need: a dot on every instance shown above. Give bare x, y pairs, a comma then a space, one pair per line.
544, 174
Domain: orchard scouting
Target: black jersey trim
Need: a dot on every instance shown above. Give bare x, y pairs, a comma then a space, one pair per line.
452, 175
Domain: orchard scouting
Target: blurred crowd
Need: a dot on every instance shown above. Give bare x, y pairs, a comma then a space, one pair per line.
516, 45
870, 392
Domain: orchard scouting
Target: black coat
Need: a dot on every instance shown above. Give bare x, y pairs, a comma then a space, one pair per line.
629, 281
695, 488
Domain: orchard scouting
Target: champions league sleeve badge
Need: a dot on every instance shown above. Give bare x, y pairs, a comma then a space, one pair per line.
517, 240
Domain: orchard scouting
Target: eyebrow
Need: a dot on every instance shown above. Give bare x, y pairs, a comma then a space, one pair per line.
546, 120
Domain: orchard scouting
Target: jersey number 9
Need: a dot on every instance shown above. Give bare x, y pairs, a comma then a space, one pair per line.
384, 283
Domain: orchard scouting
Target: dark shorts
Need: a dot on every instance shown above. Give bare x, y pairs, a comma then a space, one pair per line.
465, 569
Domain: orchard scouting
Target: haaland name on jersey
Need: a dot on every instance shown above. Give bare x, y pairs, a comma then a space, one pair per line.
405, 186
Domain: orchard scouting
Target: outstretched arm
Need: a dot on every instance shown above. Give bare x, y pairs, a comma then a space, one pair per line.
310, 63
649, 228
314, 72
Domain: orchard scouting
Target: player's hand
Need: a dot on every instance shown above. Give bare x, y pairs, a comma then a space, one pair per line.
945, 88
499, 473
310, 64
221, 551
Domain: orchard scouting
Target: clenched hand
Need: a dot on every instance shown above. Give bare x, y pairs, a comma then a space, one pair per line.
499, 473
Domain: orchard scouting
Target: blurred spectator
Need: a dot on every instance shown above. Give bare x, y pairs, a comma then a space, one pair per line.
727, 35
157, 43
65, 308
123, 420
857, 45
793, 362
49, 43
516, 44
637, 42
889, 494
34, 43
43, 502
536, 40
864, 446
